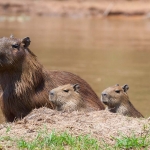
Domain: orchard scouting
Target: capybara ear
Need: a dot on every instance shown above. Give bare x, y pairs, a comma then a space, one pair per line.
26, 41
125, 87
76, 87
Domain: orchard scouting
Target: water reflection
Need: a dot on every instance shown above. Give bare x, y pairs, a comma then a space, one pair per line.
102, 51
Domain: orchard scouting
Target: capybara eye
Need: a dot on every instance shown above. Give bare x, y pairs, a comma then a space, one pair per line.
117, 91
15, 46
66, 91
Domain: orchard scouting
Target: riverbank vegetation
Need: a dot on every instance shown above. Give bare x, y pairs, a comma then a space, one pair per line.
46, 129
62, 141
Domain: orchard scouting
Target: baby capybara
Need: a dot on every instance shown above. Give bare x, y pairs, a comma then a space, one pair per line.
117, 101
67, 98
26, 84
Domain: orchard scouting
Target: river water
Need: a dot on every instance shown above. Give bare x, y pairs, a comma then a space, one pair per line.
104, 52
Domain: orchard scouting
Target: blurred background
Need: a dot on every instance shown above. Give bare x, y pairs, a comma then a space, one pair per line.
106, 42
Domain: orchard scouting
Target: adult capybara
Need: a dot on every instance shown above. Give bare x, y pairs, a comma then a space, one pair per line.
117, 101
67, 98
26, 84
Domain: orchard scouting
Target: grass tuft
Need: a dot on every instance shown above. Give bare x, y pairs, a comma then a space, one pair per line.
61, 141
132, 142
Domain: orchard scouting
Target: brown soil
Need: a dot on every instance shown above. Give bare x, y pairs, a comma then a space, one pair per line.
99, 124
76, 8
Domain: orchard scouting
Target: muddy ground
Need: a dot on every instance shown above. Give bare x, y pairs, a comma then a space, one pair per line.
76, 8
99, 124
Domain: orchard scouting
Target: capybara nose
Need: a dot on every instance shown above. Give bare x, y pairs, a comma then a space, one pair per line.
51, 92
104, 94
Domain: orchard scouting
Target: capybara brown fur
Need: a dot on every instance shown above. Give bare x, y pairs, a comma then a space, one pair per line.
26, 84
117, 101
67, 98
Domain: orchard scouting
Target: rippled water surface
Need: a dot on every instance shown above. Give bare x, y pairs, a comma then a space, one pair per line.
102, 51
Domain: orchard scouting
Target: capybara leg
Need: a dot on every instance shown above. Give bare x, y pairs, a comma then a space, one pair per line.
10, 117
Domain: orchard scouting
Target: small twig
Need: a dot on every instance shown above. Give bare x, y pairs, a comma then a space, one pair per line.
108, 9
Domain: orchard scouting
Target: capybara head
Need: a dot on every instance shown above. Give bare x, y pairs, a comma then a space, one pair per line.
12, 51
117, 101
115, 95
66, 97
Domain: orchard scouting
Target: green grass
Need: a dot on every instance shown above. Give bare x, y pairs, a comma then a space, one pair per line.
65, 141
133, 142
61, 141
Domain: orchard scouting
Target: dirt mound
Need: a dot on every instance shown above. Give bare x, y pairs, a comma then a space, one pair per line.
99, 124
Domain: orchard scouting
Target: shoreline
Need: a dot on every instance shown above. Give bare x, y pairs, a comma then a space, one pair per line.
76, 8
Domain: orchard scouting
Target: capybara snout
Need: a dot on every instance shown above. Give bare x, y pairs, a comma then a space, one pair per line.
51, 95
104, 94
